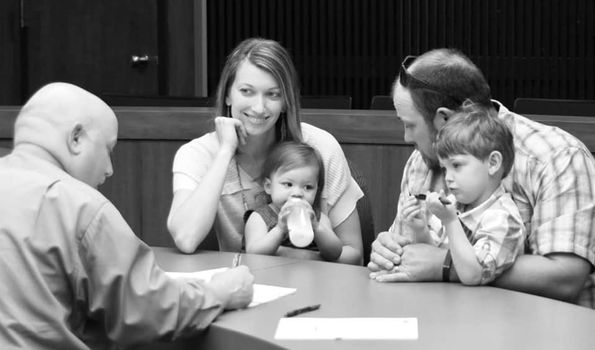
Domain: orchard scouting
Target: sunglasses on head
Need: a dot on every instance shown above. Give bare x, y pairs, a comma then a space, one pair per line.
409, 81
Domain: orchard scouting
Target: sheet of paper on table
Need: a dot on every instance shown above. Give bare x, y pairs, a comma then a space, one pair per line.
262, 293
297, 328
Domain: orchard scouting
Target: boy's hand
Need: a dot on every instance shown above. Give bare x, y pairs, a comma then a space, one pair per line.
445, 212
414, 215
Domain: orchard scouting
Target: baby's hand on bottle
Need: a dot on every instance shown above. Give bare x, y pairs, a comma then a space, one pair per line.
291, 205
323, 224
282, 217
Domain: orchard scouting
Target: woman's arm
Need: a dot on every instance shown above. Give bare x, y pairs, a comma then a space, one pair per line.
349, 233
329, 245
192, 212
258, 240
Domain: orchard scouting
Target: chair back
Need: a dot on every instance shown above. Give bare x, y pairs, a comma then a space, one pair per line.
365, 212
546, 106
326, 101
210, 242
382, 102
157, 101
4, 151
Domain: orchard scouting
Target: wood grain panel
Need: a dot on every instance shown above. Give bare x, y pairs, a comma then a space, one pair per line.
156, 185
90, 43
376, 162
124, 187
10, 46
150, 136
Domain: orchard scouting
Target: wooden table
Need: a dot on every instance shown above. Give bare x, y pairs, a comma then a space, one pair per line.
450, 315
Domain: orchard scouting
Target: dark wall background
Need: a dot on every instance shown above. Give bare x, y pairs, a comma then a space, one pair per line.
526, 48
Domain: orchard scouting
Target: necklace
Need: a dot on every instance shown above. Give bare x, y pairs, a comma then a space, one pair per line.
244, 201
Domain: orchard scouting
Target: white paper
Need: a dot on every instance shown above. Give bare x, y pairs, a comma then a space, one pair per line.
204, 275
262, 293
293, 328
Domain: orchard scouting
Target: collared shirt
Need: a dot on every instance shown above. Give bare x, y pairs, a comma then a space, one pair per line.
496, 231
552, 183
192, 161
74, 275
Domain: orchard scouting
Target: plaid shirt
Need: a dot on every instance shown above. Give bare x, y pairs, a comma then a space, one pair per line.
496, 230
552, 183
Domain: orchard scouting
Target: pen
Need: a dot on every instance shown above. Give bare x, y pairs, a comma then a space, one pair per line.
422, 197
302, 310
237, 258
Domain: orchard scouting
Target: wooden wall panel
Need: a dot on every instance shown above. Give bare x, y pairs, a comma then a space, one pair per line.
382, 167
90, 43
177, 47
156, 185
10, 47
150, 136
124, 187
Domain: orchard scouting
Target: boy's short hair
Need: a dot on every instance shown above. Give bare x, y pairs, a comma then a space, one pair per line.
476, 131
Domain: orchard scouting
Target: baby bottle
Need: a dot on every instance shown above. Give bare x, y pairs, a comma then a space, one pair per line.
299, 225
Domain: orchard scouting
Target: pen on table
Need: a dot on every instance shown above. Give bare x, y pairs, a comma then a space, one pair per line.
237, 258
302, 310
422, 197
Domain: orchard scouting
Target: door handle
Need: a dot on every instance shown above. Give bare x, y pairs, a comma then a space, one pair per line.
142, 60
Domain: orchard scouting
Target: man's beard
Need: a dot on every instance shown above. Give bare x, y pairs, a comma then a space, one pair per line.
432, 163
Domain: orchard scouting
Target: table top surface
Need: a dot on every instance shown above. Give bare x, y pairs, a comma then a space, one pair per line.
450, 315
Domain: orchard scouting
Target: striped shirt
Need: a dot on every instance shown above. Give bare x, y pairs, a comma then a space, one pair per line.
496, 231
552, 183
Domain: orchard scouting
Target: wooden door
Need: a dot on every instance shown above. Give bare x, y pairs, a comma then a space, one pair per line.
10, 88
90, 43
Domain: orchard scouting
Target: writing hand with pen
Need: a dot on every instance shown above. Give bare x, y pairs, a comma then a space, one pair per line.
234, 287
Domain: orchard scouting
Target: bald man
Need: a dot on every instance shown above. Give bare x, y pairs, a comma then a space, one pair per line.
73, 274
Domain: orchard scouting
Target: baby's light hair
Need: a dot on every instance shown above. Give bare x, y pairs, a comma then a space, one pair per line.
290, 155
476, 131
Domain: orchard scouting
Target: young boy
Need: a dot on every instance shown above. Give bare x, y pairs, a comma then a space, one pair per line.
483, 226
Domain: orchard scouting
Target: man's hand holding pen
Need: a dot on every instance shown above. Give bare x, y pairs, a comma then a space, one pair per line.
234, 287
